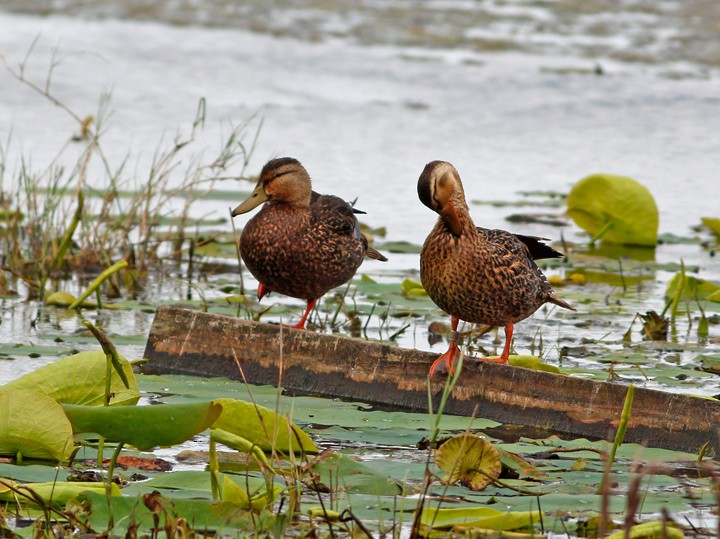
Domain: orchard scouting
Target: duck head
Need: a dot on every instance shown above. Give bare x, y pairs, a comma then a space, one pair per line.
440, 189
281, 180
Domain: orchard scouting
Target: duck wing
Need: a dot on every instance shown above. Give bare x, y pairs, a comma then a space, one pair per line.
339, 218
535, 246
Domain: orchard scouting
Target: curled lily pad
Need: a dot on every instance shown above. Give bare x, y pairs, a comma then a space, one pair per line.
469, 460
262, 427
144, 427
243, 495
33, 425
80, 379
617, 209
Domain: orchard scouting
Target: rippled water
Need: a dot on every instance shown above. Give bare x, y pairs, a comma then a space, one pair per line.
520, 96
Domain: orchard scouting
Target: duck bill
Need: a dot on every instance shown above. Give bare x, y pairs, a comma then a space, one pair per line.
256, 198
452, 220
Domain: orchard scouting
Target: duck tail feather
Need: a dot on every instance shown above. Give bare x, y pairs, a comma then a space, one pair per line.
560, 303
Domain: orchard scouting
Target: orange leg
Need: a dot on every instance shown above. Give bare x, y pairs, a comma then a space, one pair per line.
445, 362
506, 351
301, 323
508, 341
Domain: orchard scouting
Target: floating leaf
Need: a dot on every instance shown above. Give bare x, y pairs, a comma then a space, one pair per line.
713, 223
339, 472
531, 362
144, 427
650, 530
33, 425
615, 208
412, 288
239, 494
522, 467
478, 517
399, 247
80, 379
692, 288
57, 493
470, 460
262, 427
223, 518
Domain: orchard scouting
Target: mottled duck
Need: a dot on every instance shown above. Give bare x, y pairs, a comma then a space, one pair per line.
475, 274
300, 244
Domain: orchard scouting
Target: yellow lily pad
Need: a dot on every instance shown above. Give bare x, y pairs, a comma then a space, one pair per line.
616, 208
33, 425
470, 460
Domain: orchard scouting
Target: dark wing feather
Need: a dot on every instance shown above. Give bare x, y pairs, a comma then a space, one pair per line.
538, 250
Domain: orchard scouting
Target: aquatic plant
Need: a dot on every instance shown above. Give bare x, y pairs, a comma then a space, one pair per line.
57, 223
616, 209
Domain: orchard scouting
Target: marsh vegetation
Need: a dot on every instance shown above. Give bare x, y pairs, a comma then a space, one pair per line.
133, 238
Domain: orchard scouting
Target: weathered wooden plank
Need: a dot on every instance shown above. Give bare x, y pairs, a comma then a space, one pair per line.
191, 342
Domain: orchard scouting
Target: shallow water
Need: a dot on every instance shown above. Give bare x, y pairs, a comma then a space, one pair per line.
365, 94
520, 96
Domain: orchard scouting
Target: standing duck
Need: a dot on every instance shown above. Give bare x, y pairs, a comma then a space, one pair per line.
474, 274
301, 244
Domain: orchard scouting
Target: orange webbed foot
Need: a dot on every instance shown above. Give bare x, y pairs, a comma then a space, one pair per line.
445, 363
303, 320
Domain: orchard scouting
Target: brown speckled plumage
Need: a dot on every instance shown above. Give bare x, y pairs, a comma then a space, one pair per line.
300, 244
474, 274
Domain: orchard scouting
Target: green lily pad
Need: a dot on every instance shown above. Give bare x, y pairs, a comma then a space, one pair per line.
80, 379
144, 427
412, 288
339, 472
616, 208
532, 362
243, 497
223, 518
693, 288
56, 493
478, 517
262, 427
32, 473
713, 223
33, 425
650, 530
399, 247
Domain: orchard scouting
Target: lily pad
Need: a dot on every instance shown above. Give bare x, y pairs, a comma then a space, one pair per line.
144, 427
469, 460
713, 223
56, 493
532, 362
478, 517
243, 497
693, 288
616, 208
80, 379
650, 530
338, 472
33, 425
262, 427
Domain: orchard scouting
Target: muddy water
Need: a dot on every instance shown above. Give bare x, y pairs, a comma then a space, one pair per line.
520, 97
